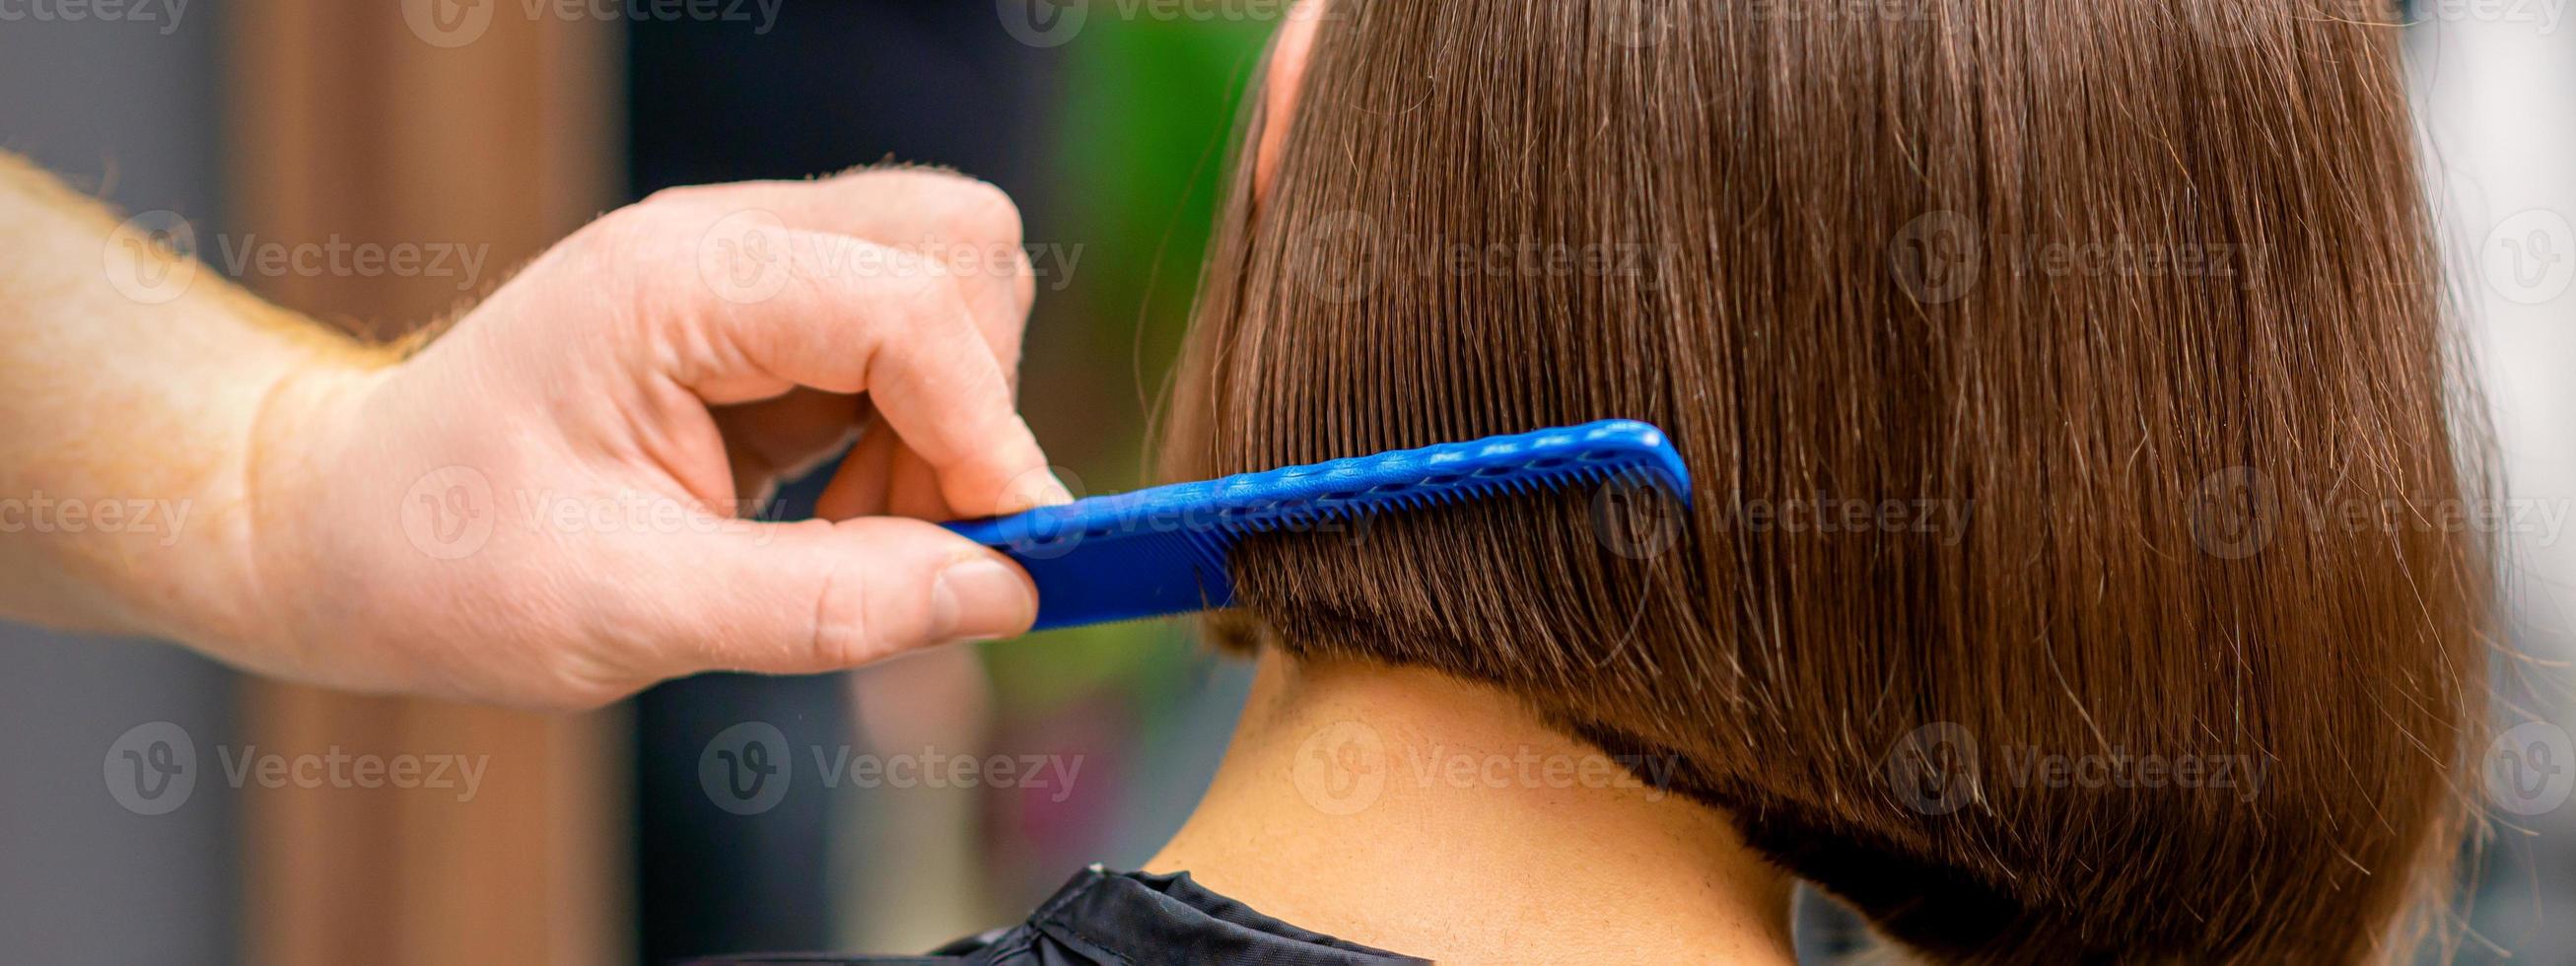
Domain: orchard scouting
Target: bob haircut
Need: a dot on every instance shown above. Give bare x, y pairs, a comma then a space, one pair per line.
2014, 346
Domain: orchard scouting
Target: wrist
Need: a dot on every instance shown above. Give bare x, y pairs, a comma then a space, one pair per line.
271, 547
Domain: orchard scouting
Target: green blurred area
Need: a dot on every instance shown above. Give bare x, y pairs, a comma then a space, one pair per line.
1146, 119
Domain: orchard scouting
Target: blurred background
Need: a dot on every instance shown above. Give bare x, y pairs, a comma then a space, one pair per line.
491, 128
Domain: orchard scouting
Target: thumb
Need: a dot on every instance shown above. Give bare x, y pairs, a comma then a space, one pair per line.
814, 597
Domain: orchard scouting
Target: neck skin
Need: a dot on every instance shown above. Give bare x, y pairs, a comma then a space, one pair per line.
1412, 812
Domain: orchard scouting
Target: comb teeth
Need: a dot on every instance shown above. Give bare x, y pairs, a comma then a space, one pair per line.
1163, 551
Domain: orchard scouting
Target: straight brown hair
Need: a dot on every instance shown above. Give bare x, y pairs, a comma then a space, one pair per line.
2013, 345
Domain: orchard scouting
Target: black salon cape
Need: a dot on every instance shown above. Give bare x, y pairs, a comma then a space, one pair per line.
1105, 918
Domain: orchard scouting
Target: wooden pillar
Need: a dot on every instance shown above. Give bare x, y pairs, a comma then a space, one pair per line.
425, 122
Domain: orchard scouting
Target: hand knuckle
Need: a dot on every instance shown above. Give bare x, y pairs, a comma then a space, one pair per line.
581, 696
627, 234
984, 212
925, 299
1024, 282
678, 196
843, 627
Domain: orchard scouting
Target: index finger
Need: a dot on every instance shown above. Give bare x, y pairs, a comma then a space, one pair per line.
970, 225
843, 315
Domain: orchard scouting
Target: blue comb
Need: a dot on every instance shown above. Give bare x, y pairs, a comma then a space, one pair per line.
1159, 552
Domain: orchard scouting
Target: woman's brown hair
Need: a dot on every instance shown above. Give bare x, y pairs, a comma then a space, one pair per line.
2065, 386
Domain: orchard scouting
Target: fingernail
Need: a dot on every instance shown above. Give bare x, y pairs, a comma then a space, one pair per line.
1034, 490
979, 600
1053, 492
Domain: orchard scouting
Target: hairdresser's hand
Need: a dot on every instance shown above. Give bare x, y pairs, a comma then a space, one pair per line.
545, 507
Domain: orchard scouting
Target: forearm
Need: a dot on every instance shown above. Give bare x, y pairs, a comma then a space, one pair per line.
539, 509
128, 447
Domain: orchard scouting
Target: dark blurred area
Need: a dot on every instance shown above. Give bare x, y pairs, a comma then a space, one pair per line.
852, 83
706, 104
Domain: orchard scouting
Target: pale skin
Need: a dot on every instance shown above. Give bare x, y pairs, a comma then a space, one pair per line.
1413, 812
1416, 813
